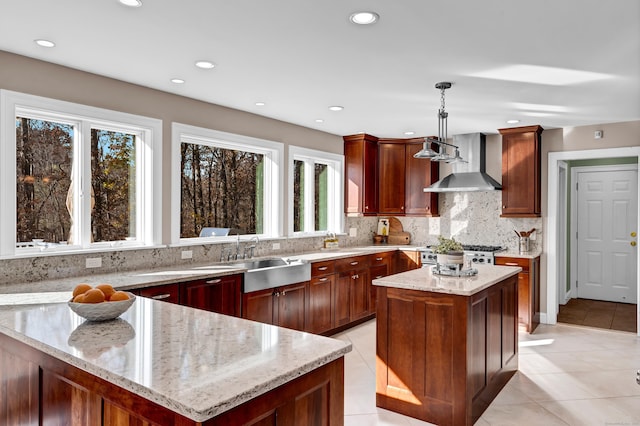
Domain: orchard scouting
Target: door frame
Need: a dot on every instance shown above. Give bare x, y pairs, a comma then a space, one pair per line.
573, 274
553, 215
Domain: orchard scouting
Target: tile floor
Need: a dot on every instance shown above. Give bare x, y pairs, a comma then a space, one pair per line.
568, 375
601, 314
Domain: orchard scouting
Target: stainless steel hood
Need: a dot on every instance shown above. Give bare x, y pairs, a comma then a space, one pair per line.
470, 176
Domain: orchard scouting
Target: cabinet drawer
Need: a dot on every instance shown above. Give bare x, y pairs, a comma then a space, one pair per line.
514, 261
166, 293
322, 268
380, 258
352, 263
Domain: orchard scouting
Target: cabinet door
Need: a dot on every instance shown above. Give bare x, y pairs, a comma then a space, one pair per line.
406, 261
420, 173
392, 178
320, 313
291, 306
521, 162
259, 306
167, 293
359, 294
361, 174
219, 294
341, 299
374, 273
65, 402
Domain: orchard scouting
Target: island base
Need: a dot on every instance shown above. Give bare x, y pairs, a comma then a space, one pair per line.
441, 357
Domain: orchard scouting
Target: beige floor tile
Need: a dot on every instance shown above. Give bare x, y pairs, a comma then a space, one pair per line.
530, 414
604, 384
588, 412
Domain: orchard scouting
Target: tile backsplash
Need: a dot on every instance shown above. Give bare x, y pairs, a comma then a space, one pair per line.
471, 217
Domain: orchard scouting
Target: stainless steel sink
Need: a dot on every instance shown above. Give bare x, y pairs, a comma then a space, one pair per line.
261, 274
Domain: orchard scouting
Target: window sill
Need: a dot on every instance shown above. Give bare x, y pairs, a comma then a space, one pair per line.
79, 251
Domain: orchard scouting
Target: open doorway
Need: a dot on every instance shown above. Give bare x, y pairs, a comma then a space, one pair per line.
561, 281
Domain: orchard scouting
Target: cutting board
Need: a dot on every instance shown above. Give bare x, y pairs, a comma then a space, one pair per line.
397, 236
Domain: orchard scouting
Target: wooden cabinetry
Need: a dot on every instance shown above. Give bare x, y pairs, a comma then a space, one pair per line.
380, 265
167, 292
406, 260
283, 306
528, 289
351, 298
454, 358
321, 288
521, 170
361, 175
403, 179
218, 294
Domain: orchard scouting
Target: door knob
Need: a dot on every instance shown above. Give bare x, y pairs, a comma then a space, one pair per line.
633, 243
633, 234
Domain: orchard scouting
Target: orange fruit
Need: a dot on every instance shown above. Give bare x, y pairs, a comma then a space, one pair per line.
118, 296
95, 295
80, 289
79, 298
107, 289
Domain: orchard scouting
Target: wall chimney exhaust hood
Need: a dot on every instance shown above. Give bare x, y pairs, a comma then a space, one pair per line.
471, 175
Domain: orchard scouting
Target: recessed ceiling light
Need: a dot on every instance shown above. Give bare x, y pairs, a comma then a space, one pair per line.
513, 121
319, 120
206, 65
131, 3
44, 43
260, 104
364, 18
336, 108
409, 133
177, 80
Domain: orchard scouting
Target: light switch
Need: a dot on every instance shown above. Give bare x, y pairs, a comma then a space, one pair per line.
353, 232
187, 254
93, 262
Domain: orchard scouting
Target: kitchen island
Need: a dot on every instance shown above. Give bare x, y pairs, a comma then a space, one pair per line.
163, 363
445, 346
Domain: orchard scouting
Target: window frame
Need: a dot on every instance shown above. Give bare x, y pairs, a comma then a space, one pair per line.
273, 153
83, 118
335, 190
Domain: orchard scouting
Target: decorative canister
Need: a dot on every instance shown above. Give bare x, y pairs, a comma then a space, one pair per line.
524, 244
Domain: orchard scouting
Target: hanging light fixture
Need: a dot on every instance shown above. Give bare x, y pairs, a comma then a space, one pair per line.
441, 140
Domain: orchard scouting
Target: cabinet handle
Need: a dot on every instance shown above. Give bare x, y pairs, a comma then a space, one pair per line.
276, 293
511, 264
323, 268
504, 207
355, 277
402, 208
323, 279
161, 296
378, 259
216, 281
354, 263
283, 292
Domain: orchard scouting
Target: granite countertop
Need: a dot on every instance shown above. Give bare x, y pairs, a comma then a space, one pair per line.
423, 279
194, 362
528, 255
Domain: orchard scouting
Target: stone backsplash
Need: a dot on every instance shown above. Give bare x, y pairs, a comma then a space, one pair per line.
471, 217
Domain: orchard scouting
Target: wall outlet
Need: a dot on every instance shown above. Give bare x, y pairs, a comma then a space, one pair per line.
93, 262
275, 246
186, 254
353, 232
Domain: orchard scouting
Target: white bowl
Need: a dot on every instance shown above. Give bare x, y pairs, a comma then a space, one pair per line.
102, 311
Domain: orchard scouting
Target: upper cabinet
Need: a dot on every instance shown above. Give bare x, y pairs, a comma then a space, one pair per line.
382, 177
521, 169
361, 175
402, 179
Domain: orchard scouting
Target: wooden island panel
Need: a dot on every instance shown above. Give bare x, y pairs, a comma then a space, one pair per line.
442, 358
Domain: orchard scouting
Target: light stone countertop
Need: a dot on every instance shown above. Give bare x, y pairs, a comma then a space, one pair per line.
517, 254
423, 279
194, 362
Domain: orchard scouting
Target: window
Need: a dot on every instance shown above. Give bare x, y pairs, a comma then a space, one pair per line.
224, 184
316, 191
49, 150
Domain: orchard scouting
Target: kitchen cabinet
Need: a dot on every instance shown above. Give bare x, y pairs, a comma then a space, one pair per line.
402, 179
167, 292
380, 265
218, 294
406, 260
351, 298
521, 171
284, 306
361, 175
528, 289
321, 289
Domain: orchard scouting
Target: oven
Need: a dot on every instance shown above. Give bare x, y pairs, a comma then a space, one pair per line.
476, 254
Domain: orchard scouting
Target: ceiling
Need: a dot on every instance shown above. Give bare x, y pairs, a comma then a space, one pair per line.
299, 57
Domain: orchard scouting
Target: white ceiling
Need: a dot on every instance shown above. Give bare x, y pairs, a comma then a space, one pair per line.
301, 56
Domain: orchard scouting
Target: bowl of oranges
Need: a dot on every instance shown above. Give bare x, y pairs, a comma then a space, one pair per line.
100, 303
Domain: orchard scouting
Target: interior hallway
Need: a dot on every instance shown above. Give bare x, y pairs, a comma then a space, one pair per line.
568, 375
601, 314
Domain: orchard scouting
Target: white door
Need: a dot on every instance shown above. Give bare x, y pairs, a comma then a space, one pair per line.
607, 216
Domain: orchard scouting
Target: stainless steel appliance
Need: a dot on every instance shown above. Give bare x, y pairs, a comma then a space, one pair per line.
477, 254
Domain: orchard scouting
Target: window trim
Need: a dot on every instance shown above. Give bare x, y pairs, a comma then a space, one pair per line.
274, 177
83, 117
335, 180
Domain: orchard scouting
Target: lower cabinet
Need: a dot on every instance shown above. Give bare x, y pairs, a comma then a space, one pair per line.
219, 294
283, 306
320, 313
167, 293
528, 289
406, 261
351, 298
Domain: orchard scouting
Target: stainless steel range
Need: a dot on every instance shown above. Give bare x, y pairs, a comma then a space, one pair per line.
478, 254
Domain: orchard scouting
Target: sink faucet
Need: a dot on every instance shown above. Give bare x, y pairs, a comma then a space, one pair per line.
250, 248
